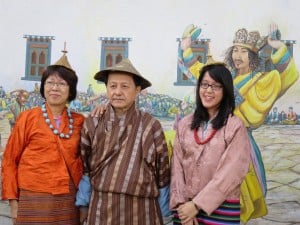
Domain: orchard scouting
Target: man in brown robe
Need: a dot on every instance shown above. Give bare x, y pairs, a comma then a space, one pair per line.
124, 153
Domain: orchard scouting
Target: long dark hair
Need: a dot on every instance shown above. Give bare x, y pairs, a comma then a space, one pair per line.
66, 74
219, 73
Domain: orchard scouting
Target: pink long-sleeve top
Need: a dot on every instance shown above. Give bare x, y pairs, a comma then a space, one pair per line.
210, 173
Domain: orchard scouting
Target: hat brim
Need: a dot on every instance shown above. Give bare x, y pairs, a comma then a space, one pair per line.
66, 67
103, 74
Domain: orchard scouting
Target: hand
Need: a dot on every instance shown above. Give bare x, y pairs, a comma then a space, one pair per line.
186, 43
83, 214
13, 209
187, 212
98, 110
274, 43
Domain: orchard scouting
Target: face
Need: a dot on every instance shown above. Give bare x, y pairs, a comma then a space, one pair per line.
56, 90
240, 57
22, 99
211, 99
121, 91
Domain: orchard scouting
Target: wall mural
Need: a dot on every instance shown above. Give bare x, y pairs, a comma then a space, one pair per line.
257, 85
265, 74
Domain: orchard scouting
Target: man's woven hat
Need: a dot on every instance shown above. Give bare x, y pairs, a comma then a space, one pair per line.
124, 66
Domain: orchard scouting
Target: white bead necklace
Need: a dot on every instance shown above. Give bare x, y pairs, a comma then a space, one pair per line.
54, 130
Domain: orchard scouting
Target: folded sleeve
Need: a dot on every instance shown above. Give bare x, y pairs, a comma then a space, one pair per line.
84, 192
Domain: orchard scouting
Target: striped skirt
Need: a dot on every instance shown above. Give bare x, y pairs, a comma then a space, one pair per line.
47, 209
227, 214
121, 209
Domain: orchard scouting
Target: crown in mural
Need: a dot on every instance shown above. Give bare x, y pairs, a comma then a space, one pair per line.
250, 40
63, 61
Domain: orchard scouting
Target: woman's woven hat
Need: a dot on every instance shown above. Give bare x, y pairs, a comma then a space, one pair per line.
63, 60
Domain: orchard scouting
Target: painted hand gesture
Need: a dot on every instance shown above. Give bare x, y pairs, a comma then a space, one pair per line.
274, 37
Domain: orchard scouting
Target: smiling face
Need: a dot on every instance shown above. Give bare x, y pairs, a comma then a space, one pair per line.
240, 57
211, 99
121, 91
56, 90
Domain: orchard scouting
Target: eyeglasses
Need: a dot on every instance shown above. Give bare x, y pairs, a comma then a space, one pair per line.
214, 87
58, 84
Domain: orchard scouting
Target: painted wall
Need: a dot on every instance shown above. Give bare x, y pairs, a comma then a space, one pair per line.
153, 26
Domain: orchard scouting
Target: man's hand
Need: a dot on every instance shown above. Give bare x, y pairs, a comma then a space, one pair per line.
272, 38
83, 214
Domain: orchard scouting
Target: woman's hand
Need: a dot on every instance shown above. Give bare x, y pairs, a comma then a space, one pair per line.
187, 212
98, 110
13, 210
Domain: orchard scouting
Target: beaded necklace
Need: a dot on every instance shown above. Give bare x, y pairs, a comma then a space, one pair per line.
199, 142
54, 130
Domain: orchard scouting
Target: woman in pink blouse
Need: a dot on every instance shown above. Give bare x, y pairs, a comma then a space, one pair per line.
211, 155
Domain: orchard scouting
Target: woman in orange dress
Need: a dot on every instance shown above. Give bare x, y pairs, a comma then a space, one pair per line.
41, 165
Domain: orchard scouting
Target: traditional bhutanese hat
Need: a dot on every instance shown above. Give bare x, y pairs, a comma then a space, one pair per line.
250, 40
124, 66
63, 61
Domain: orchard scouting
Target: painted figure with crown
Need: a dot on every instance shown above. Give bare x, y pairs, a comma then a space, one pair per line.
255, 91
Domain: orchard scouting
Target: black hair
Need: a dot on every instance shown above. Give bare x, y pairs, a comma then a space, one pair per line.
219, 73
66, 74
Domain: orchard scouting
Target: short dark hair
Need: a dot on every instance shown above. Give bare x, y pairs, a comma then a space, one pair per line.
66, 74
219, 73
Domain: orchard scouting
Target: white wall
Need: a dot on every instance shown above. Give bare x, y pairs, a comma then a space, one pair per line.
153, 26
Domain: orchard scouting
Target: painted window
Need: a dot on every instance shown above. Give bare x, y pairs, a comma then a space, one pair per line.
38, 56
200, 50
113, 50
